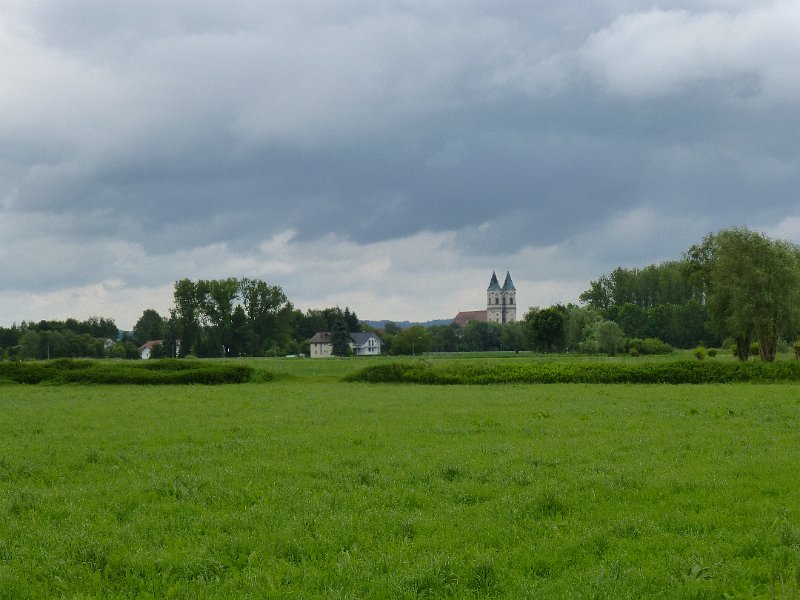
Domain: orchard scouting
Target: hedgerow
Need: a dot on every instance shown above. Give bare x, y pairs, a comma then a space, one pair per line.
677, 372
151, 372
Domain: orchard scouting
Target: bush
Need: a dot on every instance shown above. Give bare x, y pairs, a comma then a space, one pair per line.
649, 346
678, 372
796, 348
699, 353
151, 372
712, 352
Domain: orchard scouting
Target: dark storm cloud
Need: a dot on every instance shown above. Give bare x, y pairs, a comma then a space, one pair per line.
163, 127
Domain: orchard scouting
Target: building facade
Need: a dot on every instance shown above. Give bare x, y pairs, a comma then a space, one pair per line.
501, 302
362, 344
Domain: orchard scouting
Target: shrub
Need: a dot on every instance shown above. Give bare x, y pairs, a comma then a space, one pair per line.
712, 352
152, 372
388, 373
649, 346
796, 348
699, 353
677, 372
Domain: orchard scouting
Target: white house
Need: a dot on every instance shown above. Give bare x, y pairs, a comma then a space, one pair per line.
146, 349
365, 344
321, 345
362, 344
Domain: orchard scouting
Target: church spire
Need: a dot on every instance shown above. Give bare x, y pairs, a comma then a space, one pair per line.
508, 285
494, 285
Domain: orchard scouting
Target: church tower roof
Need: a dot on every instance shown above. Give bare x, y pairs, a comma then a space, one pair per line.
508, 285
494, 285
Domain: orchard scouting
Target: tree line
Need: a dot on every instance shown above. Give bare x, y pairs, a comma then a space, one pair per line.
736, 288
210, 318
236, 317
93, 338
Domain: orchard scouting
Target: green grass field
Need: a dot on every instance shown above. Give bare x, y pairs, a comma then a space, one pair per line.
311, 488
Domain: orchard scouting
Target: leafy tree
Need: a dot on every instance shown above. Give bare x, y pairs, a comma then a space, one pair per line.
351, 320
340, 339
391, 328
605, 336
29, 344
171, 343
482, 336
150, 326
513, 336
188, 312
158, 351
218, 298
9, 336
632, 319
241, 335
546, 329
576, 323
753, 287
412, 340
443, 338
269, 314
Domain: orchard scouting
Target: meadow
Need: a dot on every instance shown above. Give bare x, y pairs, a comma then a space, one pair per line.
307, 487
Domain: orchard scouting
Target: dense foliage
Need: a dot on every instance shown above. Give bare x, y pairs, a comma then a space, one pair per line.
663, 301
673, 372
151, 372
238, 317
93, 338
752, 285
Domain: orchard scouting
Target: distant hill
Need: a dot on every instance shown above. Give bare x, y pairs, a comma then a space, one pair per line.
404, 324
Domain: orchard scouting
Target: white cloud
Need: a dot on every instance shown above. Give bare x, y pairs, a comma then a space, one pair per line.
787, 229
752, 53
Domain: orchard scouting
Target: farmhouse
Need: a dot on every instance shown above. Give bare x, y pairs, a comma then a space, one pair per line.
362, 344
146, 349
501, 304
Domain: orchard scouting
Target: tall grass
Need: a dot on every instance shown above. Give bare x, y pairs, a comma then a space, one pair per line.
307, 489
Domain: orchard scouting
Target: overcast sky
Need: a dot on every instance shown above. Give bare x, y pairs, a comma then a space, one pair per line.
384, 155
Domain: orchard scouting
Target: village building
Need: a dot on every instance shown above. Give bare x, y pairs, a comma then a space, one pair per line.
361, 343
146, 349
501, 304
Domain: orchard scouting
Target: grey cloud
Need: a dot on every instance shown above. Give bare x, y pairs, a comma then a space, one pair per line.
175, 125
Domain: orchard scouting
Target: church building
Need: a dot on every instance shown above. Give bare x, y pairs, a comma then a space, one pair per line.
501, 304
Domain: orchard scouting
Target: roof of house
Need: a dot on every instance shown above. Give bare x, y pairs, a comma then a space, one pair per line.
361, 337
465, 316
321, 337
149, 345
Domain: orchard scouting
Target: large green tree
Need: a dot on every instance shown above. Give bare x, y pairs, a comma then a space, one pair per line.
752, 284
412, 340
150, 326
546, 328
340, 339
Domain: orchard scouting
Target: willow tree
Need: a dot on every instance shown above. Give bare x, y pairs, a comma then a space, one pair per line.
752, 287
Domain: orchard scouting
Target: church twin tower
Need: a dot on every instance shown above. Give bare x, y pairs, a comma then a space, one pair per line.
501, 302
